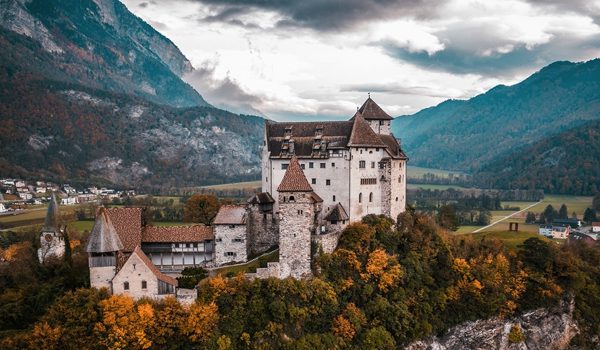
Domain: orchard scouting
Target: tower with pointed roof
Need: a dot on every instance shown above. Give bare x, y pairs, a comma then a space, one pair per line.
357, 164
52, 240
299, 208
103, 248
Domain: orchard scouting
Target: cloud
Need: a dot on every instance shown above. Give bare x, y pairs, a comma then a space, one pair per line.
399, 89
325, 15
224, 93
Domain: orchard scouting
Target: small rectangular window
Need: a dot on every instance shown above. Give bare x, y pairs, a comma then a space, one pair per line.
334, 198
372, 165
311, 165
328, 182
302, 166
126, 285
322, 165
333, 165
284, 166
362, 164
314, 181
144, 285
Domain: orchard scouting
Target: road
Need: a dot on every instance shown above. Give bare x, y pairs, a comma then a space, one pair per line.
506, 217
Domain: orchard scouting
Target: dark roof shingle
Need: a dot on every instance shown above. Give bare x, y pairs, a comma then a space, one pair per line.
337, 213
261, 198
371, 111
104, 237
362, 134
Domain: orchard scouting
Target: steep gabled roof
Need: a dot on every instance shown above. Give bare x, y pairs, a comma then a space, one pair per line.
52, 221
371, 111
261, 198
231, 215
128, 223
104, 237
177, 234
362, 135
294, 179
337, 213
159, 275
315, 197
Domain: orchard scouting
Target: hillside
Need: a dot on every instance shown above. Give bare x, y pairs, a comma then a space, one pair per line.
94, 43
465, 135
63, 131
564, 163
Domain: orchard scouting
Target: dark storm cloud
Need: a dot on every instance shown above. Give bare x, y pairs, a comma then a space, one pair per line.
323, 15
224, 93
461, 61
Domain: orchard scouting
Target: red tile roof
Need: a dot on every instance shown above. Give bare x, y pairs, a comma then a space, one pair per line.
231, 215
371, 111
159, 275
294, 179
128, 223
177, 234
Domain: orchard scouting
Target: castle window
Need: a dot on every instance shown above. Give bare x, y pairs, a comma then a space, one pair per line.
229, 254
238, 240
292, 199
267, 179
327, 182
396, 199
126, 285
302, 166
322, 165
362, 164
284, 166
218, 240
333, 165
313, 181
334, 198
333, 222
360, 198
377, 149
370, 152
400, 178
381, 165
381, 122
144, 284
284, 198
372, 165
369, 181
231, 226
371, 197
311, 165
300, 212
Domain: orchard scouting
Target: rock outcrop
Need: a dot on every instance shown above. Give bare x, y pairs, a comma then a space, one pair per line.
547, 329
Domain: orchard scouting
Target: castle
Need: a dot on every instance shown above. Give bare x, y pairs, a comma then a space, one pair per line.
317, 177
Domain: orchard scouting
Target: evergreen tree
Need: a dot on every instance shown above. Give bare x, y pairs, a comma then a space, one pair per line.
530, 219
596, 202
563, 212
589, 215
550, 213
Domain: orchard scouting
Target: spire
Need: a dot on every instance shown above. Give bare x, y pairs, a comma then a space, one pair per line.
104, 237
52, 220
371, 111
294, 179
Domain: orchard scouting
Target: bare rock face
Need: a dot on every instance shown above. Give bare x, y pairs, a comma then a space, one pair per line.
541, 329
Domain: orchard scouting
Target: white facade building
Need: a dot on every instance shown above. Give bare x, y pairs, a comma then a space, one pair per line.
357, 163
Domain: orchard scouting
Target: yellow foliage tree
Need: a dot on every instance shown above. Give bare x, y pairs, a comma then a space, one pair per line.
384, 269
201, 321
123, 325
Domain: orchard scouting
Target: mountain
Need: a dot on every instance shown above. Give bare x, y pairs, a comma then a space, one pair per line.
466, 135
94, 43
564, 163
66, 132
89, 93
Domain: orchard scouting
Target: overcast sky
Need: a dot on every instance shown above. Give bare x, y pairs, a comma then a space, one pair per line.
297, 60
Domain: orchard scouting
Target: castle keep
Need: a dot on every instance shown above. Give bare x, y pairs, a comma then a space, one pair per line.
317, 177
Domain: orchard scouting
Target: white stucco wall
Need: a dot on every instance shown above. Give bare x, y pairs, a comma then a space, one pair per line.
135, 271
358, 209
383, 128
101, 277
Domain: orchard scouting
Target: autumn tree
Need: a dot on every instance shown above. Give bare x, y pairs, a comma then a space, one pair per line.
201, 208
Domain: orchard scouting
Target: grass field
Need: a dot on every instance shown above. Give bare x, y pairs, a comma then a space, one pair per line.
249, 267
418, 172
510, 239
412, 186
248, 185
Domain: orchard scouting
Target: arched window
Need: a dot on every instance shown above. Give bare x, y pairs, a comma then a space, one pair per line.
360, 198
292, 199
371, 197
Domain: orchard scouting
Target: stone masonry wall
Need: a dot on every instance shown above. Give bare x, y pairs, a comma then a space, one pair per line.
230, 239
101, 277
296, 226
328, 241
134, 272
262, 230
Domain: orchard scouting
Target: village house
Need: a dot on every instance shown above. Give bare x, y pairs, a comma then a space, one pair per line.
596, 227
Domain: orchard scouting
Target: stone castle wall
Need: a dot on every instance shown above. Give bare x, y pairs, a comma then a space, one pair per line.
101, 277
328, 241
230, 239
262, 230
296, 227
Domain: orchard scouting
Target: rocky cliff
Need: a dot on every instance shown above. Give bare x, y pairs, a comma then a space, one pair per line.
538, 329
